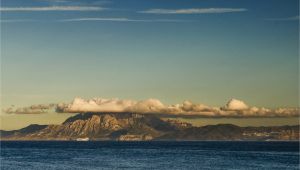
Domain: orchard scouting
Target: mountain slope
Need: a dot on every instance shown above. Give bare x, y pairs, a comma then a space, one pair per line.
130, 126
97, 126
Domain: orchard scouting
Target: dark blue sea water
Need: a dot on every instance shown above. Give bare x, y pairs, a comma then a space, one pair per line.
149, 155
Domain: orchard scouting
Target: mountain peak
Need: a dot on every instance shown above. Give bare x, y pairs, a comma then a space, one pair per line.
131, 126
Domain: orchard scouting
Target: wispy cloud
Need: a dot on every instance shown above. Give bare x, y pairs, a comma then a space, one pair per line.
122, 20
51, 8
98, 19
78, 3
293, 18
16, 20
193, 11
57, 1
33, 109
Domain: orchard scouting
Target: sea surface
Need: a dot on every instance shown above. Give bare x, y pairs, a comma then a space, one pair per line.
74, 155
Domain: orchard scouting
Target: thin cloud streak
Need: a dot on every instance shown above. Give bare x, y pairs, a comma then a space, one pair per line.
51, 8
193, 11
294, 18
96, 20
123, 20
33, 109
17, 20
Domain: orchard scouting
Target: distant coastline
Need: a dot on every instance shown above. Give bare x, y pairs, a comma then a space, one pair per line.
132, 127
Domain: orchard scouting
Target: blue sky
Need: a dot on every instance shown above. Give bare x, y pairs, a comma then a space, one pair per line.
206, 51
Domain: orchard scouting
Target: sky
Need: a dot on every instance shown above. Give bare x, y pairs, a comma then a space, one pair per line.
205, 51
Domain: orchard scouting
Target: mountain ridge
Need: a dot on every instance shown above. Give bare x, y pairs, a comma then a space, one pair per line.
136, 127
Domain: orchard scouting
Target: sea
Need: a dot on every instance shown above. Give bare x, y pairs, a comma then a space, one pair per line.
170, 155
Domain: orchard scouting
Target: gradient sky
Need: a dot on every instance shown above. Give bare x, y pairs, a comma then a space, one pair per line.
53, 55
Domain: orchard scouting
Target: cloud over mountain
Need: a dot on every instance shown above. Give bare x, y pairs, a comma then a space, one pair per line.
235, 104
233, 108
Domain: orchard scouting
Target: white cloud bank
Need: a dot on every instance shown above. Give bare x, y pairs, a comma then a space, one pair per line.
193, 11
51, 8
233, 108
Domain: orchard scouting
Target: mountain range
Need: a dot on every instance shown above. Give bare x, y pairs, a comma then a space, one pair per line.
137, 127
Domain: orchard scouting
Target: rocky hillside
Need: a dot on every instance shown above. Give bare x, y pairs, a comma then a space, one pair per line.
130, 126
96, 126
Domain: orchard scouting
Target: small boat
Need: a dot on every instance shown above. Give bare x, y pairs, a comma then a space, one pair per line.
82, 139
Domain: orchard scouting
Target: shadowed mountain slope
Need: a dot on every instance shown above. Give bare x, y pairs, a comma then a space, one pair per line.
130, 126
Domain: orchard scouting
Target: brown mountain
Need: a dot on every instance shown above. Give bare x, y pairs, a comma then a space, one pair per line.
130, 126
